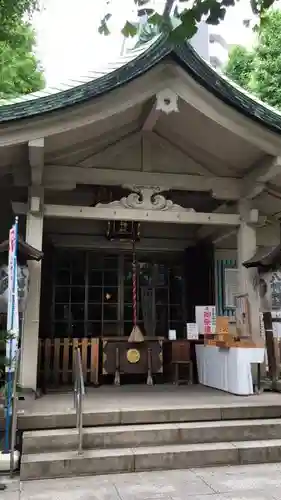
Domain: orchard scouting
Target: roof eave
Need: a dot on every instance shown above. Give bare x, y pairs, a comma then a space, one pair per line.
183, 54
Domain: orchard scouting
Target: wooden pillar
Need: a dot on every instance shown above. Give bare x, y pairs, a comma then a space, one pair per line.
247, 245
30, 337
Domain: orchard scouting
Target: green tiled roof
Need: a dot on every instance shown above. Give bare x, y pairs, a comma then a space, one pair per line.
130, 66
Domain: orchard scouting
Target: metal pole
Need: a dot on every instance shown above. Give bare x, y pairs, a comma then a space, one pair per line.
14, 415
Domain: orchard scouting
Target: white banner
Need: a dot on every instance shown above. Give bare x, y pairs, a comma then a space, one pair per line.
13, 305
23, 283
11, 279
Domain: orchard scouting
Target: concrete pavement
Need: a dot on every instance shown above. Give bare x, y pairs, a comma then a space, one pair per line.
251, 482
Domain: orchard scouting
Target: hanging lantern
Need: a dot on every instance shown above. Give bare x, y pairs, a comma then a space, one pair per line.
123, 230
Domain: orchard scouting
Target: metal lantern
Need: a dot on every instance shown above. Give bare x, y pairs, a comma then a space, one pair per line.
123, 230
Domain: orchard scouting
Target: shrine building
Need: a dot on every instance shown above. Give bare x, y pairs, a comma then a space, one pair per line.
146, 184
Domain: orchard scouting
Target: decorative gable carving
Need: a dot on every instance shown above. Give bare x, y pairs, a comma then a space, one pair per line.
145, 198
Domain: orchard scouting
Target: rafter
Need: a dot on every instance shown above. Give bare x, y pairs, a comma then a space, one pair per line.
113, 149
150, 116
82, 150
196, 151
177, 153
265, 171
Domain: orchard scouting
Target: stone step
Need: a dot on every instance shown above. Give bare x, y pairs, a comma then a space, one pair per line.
106, 461
188, 413
145, 435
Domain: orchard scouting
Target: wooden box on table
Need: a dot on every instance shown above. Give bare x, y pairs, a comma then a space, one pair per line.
120, 357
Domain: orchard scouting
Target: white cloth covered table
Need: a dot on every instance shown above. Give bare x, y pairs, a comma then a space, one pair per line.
228, 369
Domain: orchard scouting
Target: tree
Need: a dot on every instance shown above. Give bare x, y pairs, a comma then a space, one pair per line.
12, 13
19, 70
259, 71
266, 74
180, 18
240, 66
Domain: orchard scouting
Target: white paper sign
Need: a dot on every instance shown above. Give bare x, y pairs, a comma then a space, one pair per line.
172, 335
205, 317
192, 331
276, 325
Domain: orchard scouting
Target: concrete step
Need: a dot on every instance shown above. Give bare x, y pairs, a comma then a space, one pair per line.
102, 461
158, 434
58, 420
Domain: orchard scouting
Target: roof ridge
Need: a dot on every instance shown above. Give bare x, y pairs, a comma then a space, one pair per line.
129, 67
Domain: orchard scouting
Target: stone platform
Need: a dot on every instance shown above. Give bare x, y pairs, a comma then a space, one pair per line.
142, 429
139, 403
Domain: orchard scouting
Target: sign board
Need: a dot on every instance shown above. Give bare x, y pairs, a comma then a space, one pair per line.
205, 317
276, 324
230, 287
242, 315
192, 331
172, 335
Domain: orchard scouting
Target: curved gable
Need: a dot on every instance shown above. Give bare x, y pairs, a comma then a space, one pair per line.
135, 64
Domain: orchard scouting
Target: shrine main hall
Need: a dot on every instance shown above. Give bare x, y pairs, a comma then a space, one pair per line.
146, 185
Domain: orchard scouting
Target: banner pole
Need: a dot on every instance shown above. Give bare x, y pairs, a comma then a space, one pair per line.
12, 326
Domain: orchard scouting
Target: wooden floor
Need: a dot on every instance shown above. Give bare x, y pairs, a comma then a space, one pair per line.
143, 397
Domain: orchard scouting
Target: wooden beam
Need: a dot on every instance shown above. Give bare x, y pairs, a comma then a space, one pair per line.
205, 232
265, 171
150, 117
36, 160
140, 215
222, 187
100, 242
221, 236
19, 208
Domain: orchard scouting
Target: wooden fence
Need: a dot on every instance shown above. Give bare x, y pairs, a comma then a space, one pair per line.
55, 361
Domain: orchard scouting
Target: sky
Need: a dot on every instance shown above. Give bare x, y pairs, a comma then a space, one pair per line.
69, 45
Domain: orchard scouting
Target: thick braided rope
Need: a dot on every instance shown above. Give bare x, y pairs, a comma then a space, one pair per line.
134, 286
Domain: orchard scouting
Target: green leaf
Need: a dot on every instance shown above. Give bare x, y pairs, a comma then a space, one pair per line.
103, 27
156, 19
129, 29
20, 72
186, 29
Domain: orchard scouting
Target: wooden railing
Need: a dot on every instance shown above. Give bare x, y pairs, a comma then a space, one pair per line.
56, 360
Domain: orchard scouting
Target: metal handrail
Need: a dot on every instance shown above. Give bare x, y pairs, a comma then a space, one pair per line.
14, 413
79, 393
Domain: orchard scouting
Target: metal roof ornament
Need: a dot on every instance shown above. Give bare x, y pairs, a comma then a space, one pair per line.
167, 101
